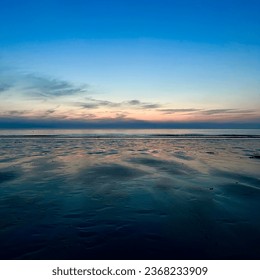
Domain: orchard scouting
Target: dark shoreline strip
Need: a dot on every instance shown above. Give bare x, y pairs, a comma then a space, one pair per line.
125, 136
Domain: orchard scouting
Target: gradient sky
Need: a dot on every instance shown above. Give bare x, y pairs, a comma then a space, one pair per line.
158, 61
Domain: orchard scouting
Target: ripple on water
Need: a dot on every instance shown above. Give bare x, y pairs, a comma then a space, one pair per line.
8, 176
108, 172
129, 206
87, 234
171, 167
240, 190
244, 178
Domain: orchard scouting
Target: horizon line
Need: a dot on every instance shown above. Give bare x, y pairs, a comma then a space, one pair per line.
123, 124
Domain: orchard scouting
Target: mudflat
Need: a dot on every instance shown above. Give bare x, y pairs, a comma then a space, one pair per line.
129, 198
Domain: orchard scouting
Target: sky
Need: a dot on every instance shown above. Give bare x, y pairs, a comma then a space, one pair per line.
130, 63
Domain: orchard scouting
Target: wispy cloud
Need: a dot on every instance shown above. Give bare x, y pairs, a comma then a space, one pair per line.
226, 111
14, 113
150, 106
136, 104
4, 87
38, 86
6, 79
50, 87
206, 112
140, 104
31, 96
92, 103
174, 111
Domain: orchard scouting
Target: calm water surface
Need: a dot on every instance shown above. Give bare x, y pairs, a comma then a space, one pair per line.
121, 197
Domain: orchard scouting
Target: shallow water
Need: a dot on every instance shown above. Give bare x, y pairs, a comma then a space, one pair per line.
121, 198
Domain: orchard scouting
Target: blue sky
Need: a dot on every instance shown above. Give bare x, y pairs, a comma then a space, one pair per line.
130, 61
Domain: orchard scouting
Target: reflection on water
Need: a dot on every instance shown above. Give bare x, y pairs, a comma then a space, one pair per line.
116, 198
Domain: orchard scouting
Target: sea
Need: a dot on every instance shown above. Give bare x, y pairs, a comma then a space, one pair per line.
130, 194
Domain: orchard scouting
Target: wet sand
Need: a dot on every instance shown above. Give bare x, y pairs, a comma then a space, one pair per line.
117, 198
